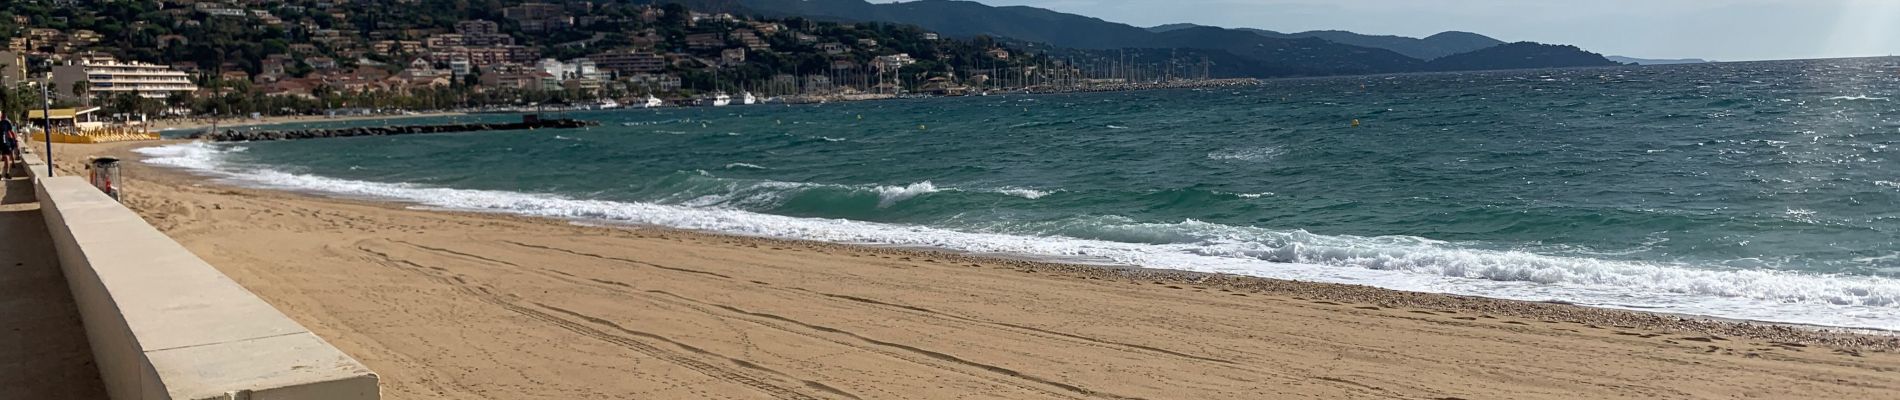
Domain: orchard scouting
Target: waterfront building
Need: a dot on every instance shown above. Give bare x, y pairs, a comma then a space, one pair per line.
109, 76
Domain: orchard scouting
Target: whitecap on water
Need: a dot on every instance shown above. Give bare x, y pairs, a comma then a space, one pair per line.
1026, 193
1249, 154
890, 195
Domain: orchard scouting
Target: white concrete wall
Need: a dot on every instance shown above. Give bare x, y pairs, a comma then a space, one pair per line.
35, 168
163, 324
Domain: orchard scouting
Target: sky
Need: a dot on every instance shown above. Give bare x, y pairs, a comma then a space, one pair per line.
1725, 30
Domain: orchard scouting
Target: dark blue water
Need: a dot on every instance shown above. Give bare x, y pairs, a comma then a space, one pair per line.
1756, 190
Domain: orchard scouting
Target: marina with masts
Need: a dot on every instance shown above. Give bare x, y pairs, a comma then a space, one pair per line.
867, 82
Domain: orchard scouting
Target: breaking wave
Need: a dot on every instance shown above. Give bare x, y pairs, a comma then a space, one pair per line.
1397, 262
888, 195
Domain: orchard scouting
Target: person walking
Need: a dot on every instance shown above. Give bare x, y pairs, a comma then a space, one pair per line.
9, 147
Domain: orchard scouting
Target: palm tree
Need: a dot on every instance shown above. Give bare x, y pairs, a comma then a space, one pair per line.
174, 100
125, 103
324, 94
80, 88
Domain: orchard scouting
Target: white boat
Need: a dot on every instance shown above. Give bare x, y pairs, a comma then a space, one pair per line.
720, 99
653, 102
607, 104
747, 98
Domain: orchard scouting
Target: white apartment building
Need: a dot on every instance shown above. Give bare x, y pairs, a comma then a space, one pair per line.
108, 76
579, 68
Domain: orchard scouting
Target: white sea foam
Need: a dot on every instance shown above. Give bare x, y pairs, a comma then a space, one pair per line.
196, 156
1397, 262
1859, 97
1026, 193
755, 194
644, 123
890, 195
740, 165
1249, 154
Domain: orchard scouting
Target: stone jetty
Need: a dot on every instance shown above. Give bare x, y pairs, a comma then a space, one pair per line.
234, 135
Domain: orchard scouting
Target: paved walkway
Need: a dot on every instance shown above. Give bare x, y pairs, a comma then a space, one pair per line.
43, 349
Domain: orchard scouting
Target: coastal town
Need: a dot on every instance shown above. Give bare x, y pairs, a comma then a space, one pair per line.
199, 58
947, 199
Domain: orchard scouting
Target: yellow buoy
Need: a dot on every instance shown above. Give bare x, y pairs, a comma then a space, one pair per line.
1355, 123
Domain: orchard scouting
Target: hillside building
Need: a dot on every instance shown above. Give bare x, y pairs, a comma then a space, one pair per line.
629, 61
108, 76
703, 41
12, 68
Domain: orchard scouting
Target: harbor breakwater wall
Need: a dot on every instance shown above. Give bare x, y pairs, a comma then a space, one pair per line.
236, 135
164, 324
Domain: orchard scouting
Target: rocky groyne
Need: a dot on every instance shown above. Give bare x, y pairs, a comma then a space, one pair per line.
235, 135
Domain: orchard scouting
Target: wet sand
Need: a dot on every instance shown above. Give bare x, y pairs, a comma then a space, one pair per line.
468, 305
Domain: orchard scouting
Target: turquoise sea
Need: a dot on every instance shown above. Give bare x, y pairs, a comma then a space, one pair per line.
1765, 191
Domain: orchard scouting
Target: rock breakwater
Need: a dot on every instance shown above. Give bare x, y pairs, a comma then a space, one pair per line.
235, 135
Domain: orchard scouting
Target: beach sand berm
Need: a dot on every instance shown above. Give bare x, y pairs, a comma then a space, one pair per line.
456, 305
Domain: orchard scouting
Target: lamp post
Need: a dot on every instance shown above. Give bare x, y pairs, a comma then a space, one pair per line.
46, 117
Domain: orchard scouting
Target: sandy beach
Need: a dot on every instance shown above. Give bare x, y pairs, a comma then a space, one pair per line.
453, 305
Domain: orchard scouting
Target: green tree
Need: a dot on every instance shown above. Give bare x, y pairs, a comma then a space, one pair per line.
81, 89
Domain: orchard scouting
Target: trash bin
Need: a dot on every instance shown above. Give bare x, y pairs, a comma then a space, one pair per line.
104, 174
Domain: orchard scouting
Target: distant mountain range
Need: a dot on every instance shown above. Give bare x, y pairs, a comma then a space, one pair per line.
1429, 48
1313, 53
1647, 61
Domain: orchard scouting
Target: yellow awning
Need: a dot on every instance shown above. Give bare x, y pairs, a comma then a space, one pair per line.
60, 113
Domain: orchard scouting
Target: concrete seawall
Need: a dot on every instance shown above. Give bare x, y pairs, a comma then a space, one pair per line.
163, 324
